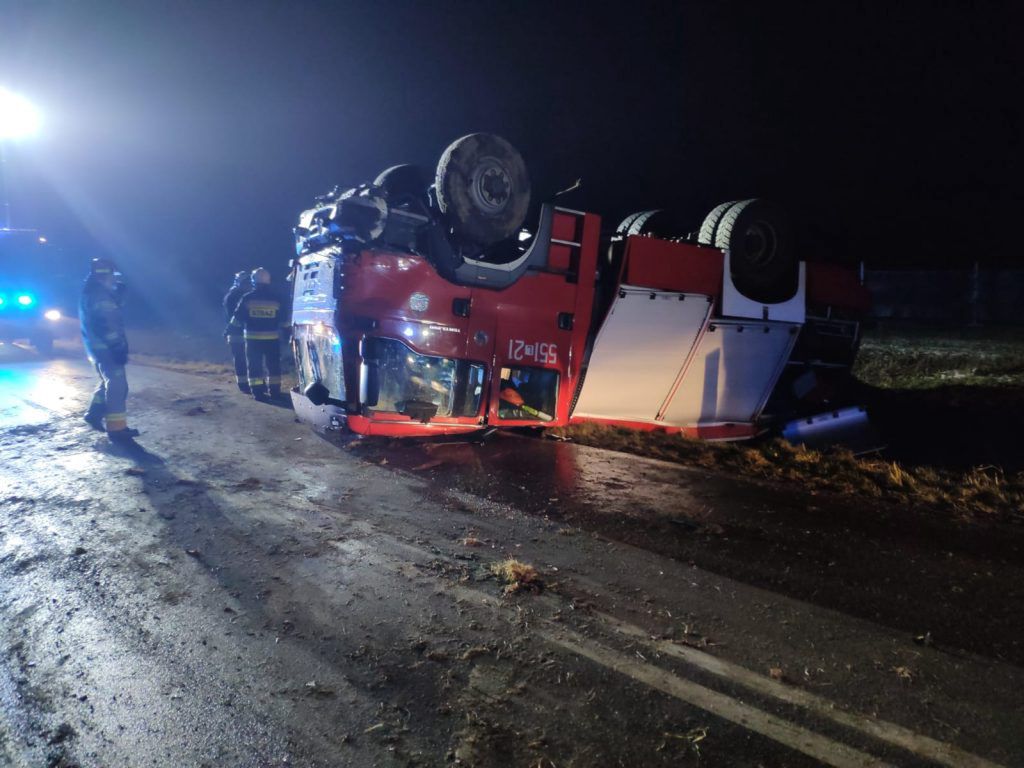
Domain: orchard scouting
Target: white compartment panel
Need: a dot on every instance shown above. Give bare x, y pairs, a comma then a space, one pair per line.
732, 373
639, 353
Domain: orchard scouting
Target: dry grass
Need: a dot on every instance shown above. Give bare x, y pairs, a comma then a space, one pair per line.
517, 576
982, 492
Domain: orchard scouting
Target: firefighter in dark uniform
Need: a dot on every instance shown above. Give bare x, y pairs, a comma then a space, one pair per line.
259, 318
100, 313
241, 286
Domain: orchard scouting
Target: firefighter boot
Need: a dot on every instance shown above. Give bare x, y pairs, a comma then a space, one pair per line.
94, 418
125, 435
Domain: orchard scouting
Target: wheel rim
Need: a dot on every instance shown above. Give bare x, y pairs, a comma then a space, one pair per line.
490, 186
759, 243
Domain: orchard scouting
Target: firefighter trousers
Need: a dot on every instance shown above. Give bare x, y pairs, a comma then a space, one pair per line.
241, 371
260, 353
111, 396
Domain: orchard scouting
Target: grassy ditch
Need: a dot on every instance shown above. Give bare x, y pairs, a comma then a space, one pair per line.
917, 358
951, 405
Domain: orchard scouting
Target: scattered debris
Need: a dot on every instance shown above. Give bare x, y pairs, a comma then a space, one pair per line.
776, 673
477, 650
373, 728
193, 553
925, 639
693, 737
197, 410
904, 673
136, 471
62, 733
320, 691
517, 576
470, 541
427, 465
249, 484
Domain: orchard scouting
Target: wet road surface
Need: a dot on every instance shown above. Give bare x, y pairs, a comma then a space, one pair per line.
239, 592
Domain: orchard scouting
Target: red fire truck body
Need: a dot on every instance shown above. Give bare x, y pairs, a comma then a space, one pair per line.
648, 334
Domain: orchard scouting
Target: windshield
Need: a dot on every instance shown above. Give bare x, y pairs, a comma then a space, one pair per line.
404, 377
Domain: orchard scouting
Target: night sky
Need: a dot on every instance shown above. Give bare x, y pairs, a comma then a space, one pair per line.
183, 138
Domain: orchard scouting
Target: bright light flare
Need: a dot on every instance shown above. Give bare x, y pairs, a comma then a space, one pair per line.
18, 118
52, 314
25, 300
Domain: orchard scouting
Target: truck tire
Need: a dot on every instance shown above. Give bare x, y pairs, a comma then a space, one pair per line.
706, 236
403, 184
763, 261
626, 223
483, 188
641, 224
663, 223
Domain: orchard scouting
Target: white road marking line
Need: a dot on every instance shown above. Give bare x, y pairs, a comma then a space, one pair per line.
896, 735
788, 734
904, 738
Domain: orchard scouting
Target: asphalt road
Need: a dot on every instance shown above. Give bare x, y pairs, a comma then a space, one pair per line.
237, 591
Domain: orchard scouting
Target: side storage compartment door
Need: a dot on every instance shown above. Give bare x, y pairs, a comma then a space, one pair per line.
641, 350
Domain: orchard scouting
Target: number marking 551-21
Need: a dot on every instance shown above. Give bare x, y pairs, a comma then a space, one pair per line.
538, 352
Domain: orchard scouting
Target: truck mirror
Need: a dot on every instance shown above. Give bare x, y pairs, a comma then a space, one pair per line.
369, 383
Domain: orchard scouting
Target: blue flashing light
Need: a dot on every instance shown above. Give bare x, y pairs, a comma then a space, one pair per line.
3, 300
26, 299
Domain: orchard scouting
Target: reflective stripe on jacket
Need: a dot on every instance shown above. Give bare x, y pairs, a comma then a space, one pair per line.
259, 315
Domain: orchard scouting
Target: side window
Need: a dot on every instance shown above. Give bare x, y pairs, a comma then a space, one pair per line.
528, 393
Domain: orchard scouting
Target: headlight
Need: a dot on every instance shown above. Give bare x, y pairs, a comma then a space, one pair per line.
52, 314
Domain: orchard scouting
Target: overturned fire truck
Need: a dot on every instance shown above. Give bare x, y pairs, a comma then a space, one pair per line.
423, 307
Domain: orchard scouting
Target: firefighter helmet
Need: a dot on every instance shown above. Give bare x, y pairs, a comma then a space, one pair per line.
260, 276
241, 276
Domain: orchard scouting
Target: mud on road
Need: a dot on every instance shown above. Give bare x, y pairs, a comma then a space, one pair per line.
239, 592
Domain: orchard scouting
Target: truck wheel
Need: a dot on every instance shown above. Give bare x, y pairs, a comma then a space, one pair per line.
483, 188
641, 225
763, 261
403, 184
659, 222
626, 223
706, 236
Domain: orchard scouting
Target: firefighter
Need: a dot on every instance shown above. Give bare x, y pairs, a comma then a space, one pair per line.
103, 335
259, 318
239, 288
